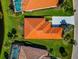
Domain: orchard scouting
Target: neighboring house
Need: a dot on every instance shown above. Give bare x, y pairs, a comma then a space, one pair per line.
28, 52
31, 5
32, 53
39, 28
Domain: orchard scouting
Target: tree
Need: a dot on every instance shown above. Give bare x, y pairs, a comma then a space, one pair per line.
13, 31
11, 7
6, 55
62, 51
60, 2
67, 37
10, 35
63, 23
72, 41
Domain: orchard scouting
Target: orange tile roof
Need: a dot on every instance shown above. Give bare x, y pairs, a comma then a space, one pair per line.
42, 35
31, 23
38, 28
29, 5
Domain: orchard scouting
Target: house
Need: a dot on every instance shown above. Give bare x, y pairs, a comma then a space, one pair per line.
32, 53
28, 52
31, 5
39, 28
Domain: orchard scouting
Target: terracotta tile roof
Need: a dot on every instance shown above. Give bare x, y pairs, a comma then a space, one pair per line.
29, 5
38, 28
31, 23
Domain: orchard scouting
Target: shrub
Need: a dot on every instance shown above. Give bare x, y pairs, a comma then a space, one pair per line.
62, 51
13, 31
6, 55
10, 35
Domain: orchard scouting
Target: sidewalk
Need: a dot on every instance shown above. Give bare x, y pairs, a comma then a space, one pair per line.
75, 48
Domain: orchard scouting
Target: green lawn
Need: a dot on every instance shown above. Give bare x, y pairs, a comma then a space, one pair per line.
10, 21
55, 44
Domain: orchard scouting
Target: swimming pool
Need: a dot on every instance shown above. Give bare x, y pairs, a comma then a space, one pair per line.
17, 5
17, 0
15, 52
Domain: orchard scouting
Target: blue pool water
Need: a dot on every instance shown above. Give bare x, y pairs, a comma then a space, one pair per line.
17, 5
17, 0
15, 52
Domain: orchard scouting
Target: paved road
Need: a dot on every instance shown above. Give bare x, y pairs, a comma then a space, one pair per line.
75, 48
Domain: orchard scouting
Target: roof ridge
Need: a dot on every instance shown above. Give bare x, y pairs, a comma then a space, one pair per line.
24, 53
